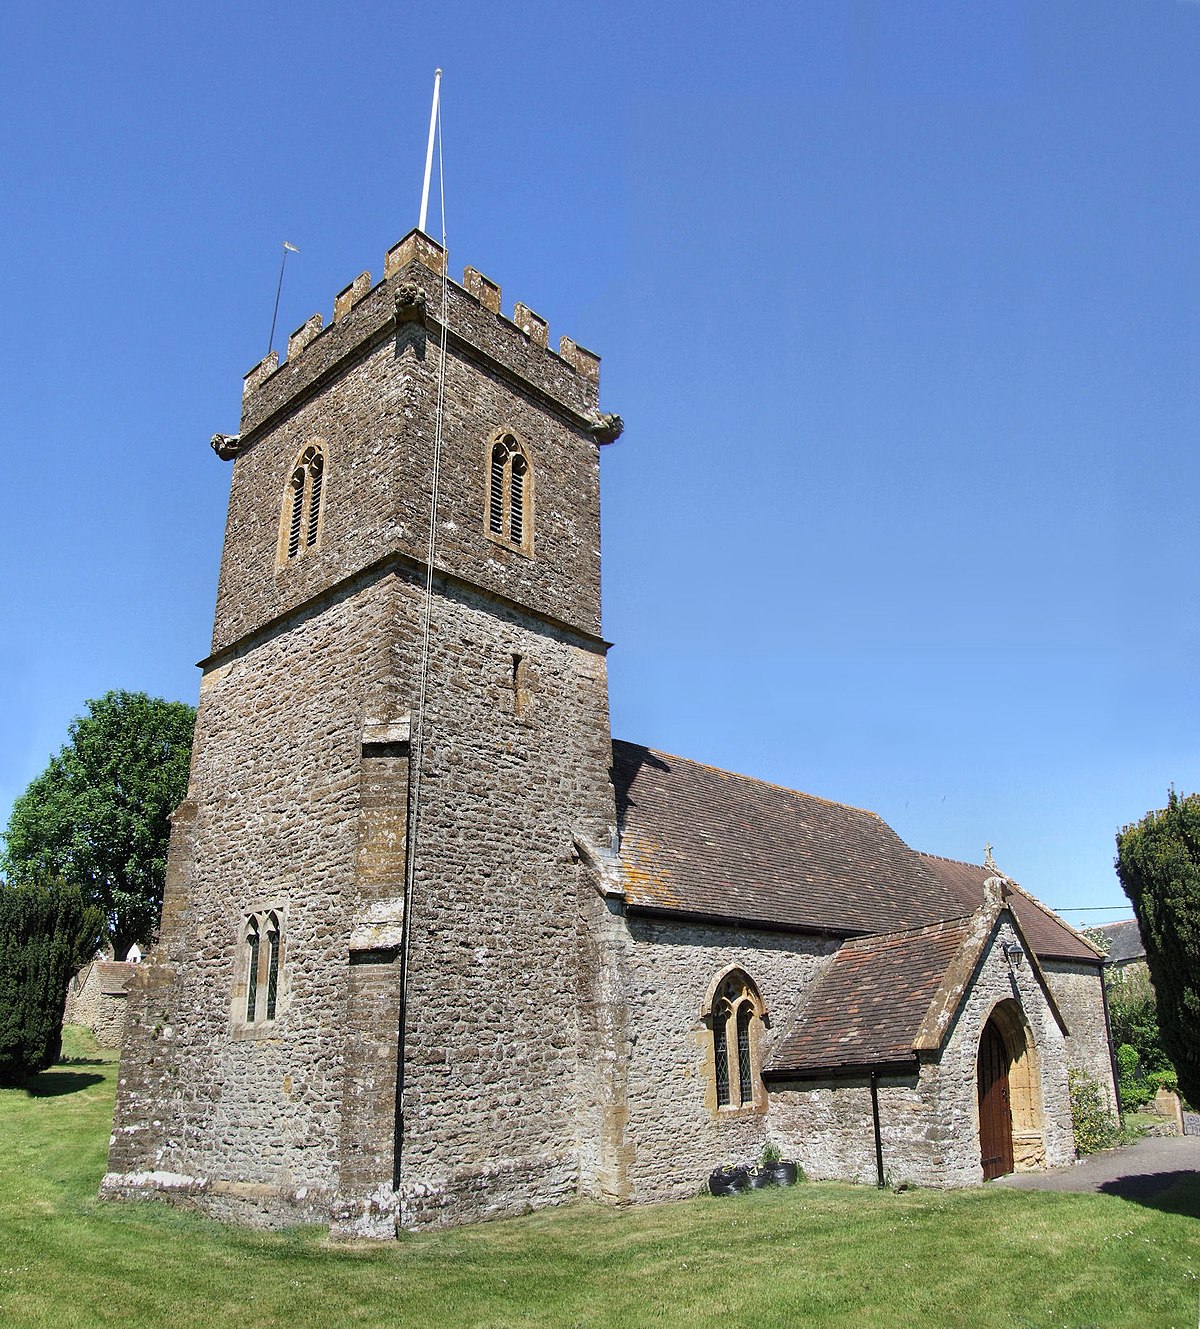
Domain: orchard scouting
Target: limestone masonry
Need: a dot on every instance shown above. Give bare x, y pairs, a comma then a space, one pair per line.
614, 963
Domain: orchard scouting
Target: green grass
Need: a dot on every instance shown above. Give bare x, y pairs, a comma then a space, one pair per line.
822, 1255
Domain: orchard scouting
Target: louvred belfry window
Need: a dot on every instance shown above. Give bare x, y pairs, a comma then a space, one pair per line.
509, 494
302, 507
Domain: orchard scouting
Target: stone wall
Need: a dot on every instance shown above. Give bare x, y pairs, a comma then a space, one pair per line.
1077, 989
96, 1000
673, 1134
929, 1121
995, 982
299, 797
374, 414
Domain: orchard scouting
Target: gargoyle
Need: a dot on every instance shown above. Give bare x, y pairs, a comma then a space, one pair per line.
410, 303
226, 446
606, 428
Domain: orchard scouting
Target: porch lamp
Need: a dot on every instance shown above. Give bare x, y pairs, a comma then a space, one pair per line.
1013, 954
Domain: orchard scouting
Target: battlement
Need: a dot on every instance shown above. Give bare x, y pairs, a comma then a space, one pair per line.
411, 292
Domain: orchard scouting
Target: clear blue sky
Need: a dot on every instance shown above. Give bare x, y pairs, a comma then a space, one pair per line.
899, 302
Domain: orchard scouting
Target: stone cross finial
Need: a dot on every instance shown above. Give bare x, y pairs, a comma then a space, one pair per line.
988, 861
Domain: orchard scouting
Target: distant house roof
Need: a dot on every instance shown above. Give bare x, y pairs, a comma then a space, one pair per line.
1050, 937
870, 1004
701, 841
1125, 941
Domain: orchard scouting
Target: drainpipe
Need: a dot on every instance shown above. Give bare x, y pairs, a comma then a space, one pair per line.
1112, 1056
878, 1138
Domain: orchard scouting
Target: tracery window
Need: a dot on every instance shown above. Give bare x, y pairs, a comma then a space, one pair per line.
735, 1014
300, 523
509, 494
257, 998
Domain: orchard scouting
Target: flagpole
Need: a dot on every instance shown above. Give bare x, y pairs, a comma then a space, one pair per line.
287, 248
433, 114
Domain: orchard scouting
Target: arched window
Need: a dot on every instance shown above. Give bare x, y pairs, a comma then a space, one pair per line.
272, 964
261, 969
735, 1013
300, 524
509, 494
720, 1020
252, 946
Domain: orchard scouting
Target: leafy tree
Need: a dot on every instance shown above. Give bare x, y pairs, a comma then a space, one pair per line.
47, 932
97, 816
1158, 862
1133, 1013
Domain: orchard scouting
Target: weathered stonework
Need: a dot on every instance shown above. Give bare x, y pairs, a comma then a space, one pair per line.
307, 1046
929, 1119
666, 1133
1080, 997
96, 999
299, 802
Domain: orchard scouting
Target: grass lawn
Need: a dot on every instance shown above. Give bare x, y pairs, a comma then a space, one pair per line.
809, 1255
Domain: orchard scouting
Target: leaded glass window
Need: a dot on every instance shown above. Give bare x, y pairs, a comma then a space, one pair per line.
252, 970
721, 1056
272, 966
734, 1012
261, 966
745, 1087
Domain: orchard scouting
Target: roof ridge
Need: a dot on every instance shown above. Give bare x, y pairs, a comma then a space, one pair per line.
959, 862
1058, 918
754, 779
905, 932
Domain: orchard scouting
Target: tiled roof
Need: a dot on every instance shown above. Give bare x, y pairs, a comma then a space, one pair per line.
1125, 941
113, 976
869, 1005
1050, 937
696, 840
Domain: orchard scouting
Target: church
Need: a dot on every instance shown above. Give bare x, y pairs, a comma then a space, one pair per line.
436, 948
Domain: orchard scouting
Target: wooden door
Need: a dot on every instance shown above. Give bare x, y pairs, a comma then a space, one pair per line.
995, 1112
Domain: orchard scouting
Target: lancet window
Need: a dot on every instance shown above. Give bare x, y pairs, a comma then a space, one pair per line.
300, 525
258, 998
509, 494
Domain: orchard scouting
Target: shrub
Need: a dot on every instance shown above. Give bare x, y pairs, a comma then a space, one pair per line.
1134, 1016
1131, 1083
1162, 1080
1093, 1125
46, 934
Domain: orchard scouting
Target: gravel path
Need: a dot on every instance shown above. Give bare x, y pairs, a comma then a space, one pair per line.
1136, 1171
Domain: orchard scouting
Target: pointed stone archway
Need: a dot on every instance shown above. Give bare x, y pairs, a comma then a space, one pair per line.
1011, 1128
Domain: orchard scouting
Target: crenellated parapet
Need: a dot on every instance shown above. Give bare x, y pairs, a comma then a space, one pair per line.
410, 295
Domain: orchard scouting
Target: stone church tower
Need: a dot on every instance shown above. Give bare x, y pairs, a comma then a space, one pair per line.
299, 1050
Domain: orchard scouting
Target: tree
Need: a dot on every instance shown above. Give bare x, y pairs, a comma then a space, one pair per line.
1158, 862
97, 816
46, 933
1133, 1014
